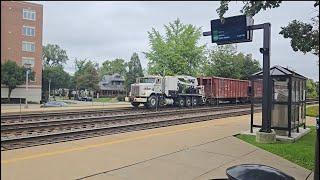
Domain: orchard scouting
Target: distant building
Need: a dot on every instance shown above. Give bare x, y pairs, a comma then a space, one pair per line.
112, 85
21, 41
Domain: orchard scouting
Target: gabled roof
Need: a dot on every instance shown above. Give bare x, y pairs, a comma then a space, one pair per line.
279, 71
114, 77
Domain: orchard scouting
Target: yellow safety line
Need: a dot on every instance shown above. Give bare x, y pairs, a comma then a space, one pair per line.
95, 145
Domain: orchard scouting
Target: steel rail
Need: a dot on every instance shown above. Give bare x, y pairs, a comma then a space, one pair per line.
14, 143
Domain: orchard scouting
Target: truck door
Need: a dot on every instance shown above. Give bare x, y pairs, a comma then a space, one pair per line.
157, 86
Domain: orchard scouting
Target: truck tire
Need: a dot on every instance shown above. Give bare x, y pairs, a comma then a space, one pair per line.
188, 102
135, 104
152, 101
180, 101
194, 101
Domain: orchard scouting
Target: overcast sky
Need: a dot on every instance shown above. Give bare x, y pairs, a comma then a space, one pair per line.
107, 30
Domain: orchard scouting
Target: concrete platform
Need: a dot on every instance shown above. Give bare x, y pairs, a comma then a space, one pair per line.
294, 135
192, 151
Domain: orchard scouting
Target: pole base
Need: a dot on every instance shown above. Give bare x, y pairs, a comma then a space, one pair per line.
264, 137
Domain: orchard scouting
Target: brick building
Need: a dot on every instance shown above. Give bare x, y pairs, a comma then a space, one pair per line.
21, 41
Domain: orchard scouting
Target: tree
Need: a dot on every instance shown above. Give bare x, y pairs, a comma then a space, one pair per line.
311, 89
86, 76
304, 36
53, 55
135, 70
13, 75
53, 60
176, 52
224, 61
58, 77
112, 67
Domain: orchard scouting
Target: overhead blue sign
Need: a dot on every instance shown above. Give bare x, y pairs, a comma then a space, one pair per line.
231, 30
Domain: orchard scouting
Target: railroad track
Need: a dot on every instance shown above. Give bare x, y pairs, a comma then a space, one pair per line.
83, 113
32, 117
20, 135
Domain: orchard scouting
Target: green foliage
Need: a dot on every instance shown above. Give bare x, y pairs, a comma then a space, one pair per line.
134, 70
176, 52
112, 67
313, 111
224, 61
13, 75
58, 77
304, 37
312, 89
250, 7
120, 98
86, 76
53, 55
300, 152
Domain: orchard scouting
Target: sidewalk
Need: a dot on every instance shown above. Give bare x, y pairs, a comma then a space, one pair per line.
191, 151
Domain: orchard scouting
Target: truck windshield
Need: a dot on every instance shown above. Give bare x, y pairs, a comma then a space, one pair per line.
147, 80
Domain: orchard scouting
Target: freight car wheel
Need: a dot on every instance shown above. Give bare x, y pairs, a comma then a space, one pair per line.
152, 101
188, 102
181, 102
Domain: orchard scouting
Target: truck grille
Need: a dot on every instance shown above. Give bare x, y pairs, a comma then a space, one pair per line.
135, 90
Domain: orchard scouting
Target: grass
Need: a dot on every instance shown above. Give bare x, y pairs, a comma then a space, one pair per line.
103, 99
313, 111
300, 152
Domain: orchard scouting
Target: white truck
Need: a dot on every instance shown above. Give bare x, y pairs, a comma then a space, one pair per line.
153, 91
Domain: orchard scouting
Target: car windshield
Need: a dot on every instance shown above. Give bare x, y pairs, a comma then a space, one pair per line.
147, 80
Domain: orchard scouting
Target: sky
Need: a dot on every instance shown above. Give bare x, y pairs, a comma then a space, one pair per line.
102, 31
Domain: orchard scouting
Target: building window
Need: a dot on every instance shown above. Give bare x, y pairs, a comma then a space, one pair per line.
28, 46
28, 31
29, 14
28, 61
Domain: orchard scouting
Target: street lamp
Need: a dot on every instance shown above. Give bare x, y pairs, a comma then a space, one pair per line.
27, 66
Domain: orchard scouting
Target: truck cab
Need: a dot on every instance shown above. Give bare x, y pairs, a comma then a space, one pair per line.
144, 88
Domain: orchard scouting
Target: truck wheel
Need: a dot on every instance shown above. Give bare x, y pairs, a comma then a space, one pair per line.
135, 104
152, 101
181, 102
194, 101
188, 102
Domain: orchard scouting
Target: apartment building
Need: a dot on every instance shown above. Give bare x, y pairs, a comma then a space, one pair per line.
21, 41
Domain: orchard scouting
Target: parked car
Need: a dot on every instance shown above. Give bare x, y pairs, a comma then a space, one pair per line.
54, 104
86, 98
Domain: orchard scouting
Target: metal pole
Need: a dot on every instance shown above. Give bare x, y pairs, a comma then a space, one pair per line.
20, 109
27, 74
49, 89
267, 94
252, 108
316, 165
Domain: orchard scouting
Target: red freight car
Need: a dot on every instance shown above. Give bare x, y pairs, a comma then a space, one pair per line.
224, 89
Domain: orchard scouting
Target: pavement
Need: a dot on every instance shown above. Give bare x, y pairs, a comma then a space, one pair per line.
191, 151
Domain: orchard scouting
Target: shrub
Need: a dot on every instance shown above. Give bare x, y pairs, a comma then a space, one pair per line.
120, 98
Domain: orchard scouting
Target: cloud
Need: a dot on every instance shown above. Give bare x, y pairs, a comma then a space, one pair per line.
108, 30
